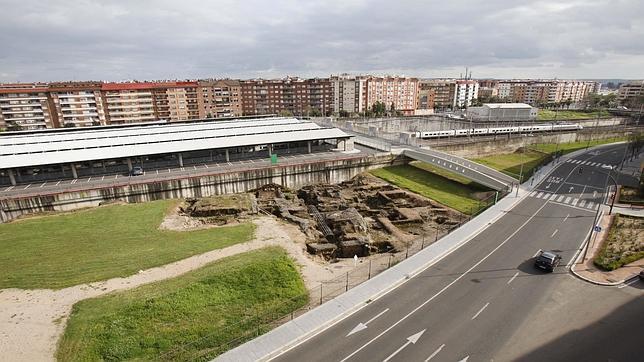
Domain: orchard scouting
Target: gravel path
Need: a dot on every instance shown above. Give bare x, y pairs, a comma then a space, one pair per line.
32, 321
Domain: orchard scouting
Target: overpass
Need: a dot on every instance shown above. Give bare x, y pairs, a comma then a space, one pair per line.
476, 172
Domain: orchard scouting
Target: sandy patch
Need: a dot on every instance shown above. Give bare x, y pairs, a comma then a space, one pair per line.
32, 321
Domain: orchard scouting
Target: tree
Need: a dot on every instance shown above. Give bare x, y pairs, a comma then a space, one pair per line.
379, 109
69, 125
344, 114
315, 113
285, 113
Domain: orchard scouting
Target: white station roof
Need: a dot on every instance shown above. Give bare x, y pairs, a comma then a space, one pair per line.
24, 150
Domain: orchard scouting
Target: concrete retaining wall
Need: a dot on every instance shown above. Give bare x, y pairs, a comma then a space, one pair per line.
504, 145
292, 176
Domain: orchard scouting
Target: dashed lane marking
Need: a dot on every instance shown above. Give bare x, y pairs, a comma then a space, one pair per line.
513, 277
480, 310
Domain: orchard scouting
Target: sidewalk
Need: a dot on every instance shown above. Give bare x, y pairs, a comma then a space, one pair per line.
585, 269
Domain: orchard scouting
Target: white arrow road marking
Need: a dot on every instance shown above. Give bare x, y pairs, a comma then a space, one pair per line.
465, 359
435, 352
480, 310
411, 339
548, 186
571, 187
362, 326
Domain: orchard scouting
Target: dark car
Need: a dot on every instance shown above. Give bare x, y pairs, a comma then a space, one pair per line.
547, 260
641, 274
136, 171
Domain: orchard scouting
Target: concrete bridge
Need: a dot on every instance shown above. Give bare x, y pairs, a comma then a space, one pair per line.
476, 172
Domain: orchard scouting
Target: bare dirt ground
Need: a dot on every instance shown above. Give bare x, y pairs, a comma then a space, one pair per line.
32, 321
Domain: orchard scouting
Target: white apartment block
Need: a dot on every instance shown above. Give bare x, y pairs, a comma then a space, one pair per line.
630, 90
25, 110
466, 92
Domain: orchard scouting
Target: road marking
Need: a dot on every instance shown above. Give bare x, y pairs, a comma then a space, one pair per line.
537, 253
574, 202
362, 326
9, 188
43, 184
566, 205
540, 194
89, 179
553, 233
567, 200
480, 310
57, 183
513, 277
102, 178
116, 176
448, 285
26, 187
465, 359
435, 352
627, 284
561, 197
410, 340
205, 165
566, 218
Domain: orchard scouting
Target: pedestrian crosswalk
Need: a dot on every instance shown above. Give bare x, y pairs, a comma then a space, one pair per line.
588, 163
565, 200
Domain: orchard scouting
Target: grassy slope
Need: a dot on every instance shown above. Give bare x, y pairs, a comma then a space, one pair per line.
511, 163
573, 146
448, 190
90, 245
199, 311
548, 115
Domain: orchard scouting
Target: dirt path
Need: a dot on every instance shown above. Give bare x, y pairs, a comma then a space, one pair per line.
32, 321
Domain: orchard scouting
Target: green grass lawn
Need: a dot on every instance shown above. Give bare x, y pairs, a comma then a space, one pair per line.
445, 187
510, 163
573, 146
549, 115
110, 241
189, 317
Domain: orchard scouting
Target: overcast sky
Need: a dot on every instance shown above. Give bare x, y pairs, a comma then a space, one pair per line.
45, 40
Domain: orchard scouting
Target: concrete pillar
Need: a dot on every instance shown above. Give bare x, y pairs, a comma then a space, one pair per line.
227, 156
309, 144
12, 178
270, 150
103, 164
211, 157
180, 160
129, 164
74, 172
18, 175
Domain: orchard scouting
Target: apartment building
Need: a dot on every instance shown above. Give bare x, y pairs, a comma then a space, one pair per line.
466, 91
443, 90
536, 92
129, 102
294, 95
78, 104
348, 94
219, 98
26, 107
629, 92
426, 98
399, 92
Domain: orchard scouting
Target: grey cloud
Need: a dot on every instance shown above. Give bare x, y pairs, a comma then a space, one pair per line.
117, 40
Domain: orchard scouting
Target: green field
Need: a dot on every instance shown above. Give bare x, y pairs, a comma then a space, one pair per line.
90, 245
510, 163
189, 317
573, 146
549, 115
445, 187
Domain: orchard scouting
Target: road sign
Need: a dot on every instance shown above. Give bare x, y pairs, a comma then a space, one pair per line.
597, 228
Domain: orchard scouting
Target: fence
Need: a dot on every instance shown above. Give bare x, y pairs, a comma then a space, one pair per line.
259, 322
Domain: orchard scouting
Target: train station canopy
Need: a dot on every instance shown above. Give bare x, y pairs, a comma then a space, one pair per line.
34, 149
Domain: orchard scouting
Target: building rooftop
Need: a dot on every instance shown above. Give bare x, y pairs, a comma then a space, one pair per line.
507, 105
24, 150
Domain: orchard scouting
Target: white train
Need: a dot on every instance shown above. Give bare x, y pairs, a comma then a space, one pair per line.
498, 130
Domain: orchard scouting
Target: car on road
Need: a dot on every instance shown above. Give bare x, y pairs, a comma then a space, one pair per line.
641, 275
136, 171
547, 260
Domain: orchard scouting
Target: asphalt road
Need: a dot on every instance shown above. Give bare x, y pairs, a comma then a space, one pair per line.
486, 301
